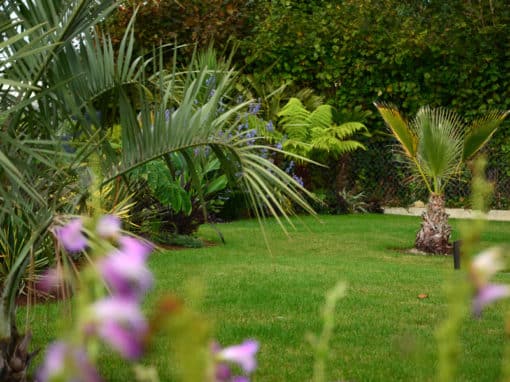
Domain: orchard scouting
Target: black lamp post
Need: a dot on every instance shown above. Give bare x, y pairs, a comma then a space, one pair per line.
456, 254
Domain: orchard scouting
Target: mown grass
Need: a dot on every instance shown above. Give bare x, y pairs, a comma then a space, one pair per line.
384, 331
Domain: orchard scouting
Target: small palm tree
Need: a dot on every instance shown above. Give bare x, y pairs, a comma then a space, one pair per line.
436, 142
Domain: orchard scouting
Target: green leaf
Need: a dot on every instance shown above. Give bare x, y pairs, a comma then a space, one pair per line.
481, 131
399, 128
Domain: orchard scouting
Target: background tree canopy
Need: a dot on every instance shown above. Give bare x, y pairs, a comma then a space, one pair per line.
412, 53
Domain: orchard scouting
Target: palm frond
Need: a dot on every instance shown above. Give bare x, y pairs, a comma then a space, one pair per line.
63, 20
480, 131
440, 133
399, 127
11, 284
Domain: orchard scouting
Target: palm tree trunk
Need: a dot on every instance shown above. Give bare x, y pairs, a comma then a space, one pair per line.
434, 235
15, 358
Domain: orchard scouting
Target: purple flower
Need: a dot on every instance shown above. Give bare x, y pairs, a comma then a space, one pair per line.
135, 246
108, 226
254, 108
298, 179
483, 267
243, 355
210, 81
270, 126
223, 373
121, 324
71, 236
125, 270
290, 166
122, 339
488, 294
64, 362
51, 280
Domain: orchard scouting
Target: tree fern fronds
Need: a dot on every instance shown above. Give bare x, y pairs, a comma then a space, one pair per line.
295, 120
297, 147
347, 129
321, 117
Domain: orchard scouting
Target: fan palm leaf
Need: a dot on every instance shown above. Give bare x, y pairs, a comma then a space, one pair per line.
400, 128
441, 136
480, 131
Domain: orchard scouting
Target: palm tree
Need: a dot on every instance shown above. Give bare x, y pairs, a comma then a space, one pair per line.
57, 76
435, 143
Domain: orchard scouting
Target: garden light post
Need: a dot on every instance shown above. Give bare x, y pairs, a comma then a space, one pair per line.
456, 254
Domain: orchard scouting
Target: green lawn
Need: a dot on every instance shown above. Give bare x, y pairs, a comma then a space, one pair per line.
384, 331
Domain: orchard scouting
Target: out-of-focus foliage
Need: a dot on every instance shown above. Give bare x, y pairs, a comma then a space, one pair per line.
187, 22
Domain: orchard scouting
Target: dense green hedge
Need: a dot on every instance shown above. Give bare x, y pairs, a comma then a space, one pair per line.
452, 53
410, 52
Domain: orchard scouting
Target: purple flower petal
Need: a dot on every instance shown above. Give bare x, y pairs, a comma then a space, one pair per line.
71, 236
64, 361
122, 310
51, 280
127, 342
108, 226
240, 379
243, 355
135, 246
488, 294
223, 373
54, 361
121, 324
125, 270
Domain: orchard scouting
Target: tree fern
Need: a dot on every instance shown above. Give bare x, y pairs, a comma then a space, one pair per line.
315, 131
321, 117
295, 120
